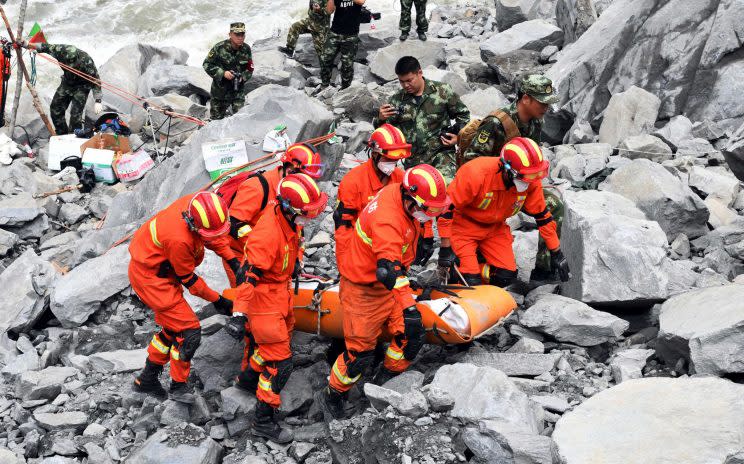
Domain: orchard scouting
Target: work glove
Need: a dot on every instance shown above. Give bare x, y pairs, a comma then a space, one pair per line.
559, 262
447, 257
223, 306
235, 327
414, 332
424, 250
98, 107
234, 264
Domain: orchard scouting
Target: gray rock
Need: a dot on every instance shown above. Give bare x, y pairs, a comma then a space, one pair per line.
629, 113
619, 418
217, 361
119, 361
531, 35
9, 457
70, 213
715, 182
483, 101
509, 13
629, 364
381, 397
738, 458
515, 364
359, 103
95, 430
525, 447
547, 55
18, 209
439, 400
606, 240
297, 394
552, 403
80, 292
7, 241
733, 152
527, 346
164, 78
26, 284
720, 214
413, 404
174, 412
676, 131
76, 420
713, 344
695, 148
574, 17
450, 78
708, 130
581, 132
485, 448
645, 146
486, 393
44, 384
382, 62
572, 321
33, 230
405, 382
664, 197
186, 444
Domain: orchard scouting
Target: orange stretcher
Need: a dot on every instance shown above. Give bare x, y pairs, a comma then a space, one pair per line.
448, 319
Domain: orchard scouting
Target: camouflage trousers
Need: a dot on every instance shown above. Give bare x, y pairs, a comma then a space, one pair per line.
219, 107
74, 97
422, 25
347, 46
443, 160
555, 206
307, 26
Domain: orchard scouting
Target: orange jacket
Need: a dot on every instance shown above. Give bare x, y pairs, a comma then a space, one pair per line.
165, 241
358, 187
478, 193
383, 231
245, 208
272, 249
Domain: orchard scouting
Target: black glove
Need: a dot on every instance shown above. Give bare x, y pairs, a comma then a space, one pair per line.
234, 265
424, 250
559, 262
223, 306
236, 326
446, 257
414, 332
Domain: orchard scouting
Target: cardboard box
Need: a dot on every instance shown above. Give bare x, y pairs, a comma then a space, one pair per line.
223, 155
107, 142
102, 163
61, 147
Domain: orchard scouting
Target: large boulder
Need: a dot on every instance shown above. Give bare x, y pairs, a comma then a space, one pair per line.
659, 420
616, 254
17, 210
675, 132
705, 327
182, 443
429, 53
574, 17
509, 13
163, 78
572, 321
715, 182
26, 284
217, 361
645, 146
664, 197
481, 102
359, 103
632, 112
733, 152
531, 35
80, 292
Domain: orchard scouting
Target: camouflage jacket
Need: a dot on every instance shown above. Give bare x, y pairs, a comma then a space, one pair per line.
422, 123
320, 19
223, 58
74, 58
490, 137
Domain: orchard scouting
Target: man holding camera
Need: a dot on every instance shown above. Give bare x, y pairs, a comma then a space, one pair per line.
230, 64
424, 109
343, 38
316, 24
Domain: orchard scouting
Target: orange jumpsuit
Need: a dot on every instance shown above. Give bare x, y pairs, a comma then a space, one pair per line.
272, 249
164, 254
383, 231
482, 204
245, 210
358, 187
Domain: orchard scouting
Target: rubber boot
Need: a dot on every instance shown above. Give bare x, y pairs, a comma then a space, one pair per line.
422, 36
331, 402
181, 392
383, 375
403, 36
148, 381
247, 380
265, 426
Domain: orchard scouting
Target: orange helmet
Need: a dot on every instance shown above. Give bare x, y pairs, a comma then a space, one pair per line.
300, 194
208, 215
426, 186
524, 159
389, 141
306, 157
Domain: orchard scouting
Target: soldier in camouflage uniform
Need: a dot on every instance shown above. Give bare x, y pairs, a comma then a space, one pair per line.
230, 64
343, 38
424, 109
73, 90
316, 24
422, 25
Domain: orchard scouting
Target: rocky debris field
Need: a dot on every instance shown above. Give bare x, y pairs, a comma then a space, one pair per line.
636, 359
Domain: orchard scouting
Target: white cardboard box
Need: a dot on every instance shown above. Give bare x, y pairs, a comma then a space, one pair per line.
223, 155
102, 163
61, 147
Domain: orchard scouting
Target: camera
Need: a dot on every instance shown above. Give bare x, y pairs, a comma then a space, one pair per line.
399, 110
453, 129
367, 16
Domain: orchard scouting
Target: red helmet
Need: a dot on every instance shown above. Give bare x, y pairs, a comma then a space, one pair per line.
389, 141
300, 193
524, 158
306, 157
208, 215
426, 186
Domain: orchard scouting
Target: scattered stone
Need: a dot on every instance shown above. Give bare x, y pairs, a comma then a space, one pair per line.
26, 284
715, 182
174, 412
527, 346
515, 364
531, 35
574, 17
629, 364
184, 443
119, 361
509, 13
61, 421
645, 146
695, 148
16, 210
439, 400
95, 430
412, 404
44, 384
405, 382
381, 397
71, 213
676, 131
7, 241
552, 403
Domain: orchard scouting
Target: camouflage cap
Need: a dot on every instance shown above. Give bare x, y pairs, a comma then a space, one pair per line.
237, 27
540, 88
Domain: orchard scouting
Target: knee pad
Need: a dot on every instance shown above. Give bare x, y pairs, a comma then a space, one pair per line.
283, 371
361, 362
498, 276
191, 341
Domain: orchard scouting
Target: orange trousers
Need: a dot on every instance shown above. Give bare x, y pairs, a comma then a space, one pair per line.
270, 323
367, 310
172, 313
494, 242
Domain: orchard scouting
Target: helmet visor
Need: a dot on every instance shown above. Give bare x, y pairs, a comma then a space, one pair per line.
531, 176
396, 153
315, 171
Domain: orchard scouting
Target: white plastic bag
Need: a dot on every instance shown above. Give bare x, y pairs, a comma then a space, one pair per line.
132, 166
276, 139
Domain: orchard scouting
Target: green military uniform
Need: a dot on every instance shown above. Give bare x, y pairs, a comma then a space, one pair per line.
422, 119
335, 44
422, 25
227, 94
316, 24
554, 203
73, 90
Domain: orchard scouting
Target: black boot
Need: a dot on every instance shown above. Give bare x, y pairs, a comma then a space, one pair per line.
181, 392
331, 402
148, 380
383, 375
247, 380
264, 425
287, 51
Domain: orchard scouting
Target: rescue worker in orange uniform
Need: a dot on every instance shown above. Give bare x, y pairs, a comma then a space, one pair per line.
164, 253
485, 193
264, 298
387, 145
256, 193
374, 290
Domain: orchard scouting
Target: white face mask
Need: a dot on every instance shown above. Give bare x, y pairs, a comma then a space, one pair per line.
521, 185
301, 220
421, 216
386, 167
